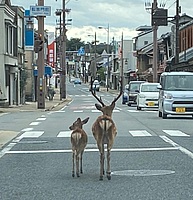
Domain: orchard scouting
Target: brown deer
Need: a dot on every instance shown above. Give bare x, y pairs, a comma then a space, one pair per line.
104, 132
79, 141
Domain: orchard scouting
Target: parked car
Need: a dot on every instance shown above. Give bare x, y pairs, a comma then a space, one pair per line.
176, 94
95, 86
77, 81
147, 96
133, 89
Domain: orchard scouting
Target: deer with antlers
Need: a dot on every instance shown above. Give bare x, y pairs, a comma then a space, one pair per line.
104, 131
79, 141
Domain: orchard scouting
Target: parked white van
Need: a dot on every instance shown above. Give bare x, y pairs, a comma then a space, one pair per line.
176, 94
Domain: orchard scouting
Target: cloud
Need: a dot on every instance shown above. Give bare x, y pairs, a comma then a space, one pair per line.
121, 15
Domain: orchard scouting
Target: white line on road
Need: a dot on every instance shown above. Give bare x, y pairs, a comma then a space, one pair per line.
139, 133
78, 111
93, 150
182, 149
41, 119
175, 133
34, 123
31, 134
64, 134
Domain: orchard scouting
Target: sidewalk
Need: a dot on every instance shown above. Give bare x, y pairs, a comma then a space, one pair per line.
56, 103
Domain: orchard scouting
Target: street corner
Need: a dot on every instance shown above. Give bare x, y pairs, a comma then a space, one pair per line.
6, 136
59, 105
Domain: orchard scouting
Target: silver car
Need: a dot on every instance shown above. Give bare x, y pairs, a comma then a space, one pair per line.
176, 94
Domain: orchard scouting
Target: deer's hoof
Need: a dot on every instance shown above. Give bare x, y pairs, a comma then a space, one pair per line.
77, 175
101, 178
109, 177
72, 175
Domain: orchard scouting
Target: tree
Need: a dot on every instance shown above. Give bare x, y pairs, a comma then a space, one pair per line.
74, 44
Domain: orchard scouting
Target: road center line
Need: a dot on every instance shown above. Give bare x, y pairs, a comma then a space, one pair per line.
93, 150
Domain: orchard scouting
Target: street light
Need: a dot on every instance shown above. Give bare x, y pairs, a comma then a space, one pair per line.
108, 67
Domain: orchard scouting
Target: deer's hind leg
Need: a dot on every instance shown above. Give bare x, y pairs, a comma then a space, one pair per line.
108, 163
77, 165
73, 164
102, 157
81, 154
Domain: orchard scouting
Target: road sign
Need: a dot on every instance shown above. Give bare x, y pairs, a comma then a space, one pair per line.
81, 51
40, 10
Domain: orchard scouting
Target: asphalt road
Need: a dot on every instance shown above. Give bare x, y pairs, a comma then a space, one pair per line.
152, 158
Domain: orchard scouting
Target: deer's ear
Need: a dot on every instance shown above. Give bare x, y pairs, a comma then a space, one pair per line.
98, 106
85, 120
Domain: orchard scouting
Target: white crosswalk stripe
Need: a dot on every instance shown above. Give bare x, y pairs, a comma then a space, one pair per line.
31, 134
133, 133
175, 133
139, 133
64, 134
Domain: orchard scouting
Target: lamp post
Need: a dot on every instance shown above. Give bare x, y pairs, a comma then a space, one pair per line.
108, 67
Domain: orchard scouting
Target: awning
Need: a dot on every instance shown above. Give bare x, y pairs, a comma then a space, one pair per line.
48, 71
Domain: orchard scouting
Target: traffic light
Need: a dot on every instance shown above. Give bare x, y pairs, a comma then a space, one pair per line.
38, 43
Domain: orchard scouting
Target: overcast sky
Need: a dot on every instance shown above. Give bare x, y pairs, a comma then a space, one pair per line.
123, 16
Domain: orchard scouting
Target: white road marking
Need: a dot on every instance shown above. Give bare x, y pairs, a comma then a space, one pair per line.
64, 134
182, 149
93, 150
95, 111
78, 111
27, 129
133, 110
31, 134
41, 119
139, 133
34, 123
175, 133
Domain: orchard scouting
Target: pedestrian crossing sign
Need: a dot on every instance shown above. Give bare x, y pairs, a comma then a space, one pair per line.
81, 51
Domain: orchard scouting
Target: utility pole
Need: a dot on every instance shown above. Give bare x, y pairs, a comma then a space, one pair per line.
122, 62
177, 33
155, 28
40, 62
95, 62
63, 75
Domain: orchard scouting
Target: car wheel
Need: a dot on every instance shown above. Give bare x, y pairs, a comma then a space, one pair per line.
164, 116
138, 108
159, 114
123, 102
129, 104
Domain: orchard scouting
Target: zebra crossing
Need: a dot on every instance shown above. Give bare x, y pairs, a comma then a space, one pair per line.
131, 133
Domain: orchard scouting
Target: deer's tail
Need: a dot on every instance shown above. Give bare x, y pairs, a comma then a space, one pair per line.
76, 137
105, 125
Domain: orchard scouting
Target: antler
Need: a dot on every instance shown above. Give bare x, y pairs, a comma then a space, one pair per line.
93, 93
120, 93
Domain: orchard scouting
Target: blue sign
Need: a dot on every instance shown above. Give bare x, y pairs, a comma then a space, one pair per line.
81, 51
29, 33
